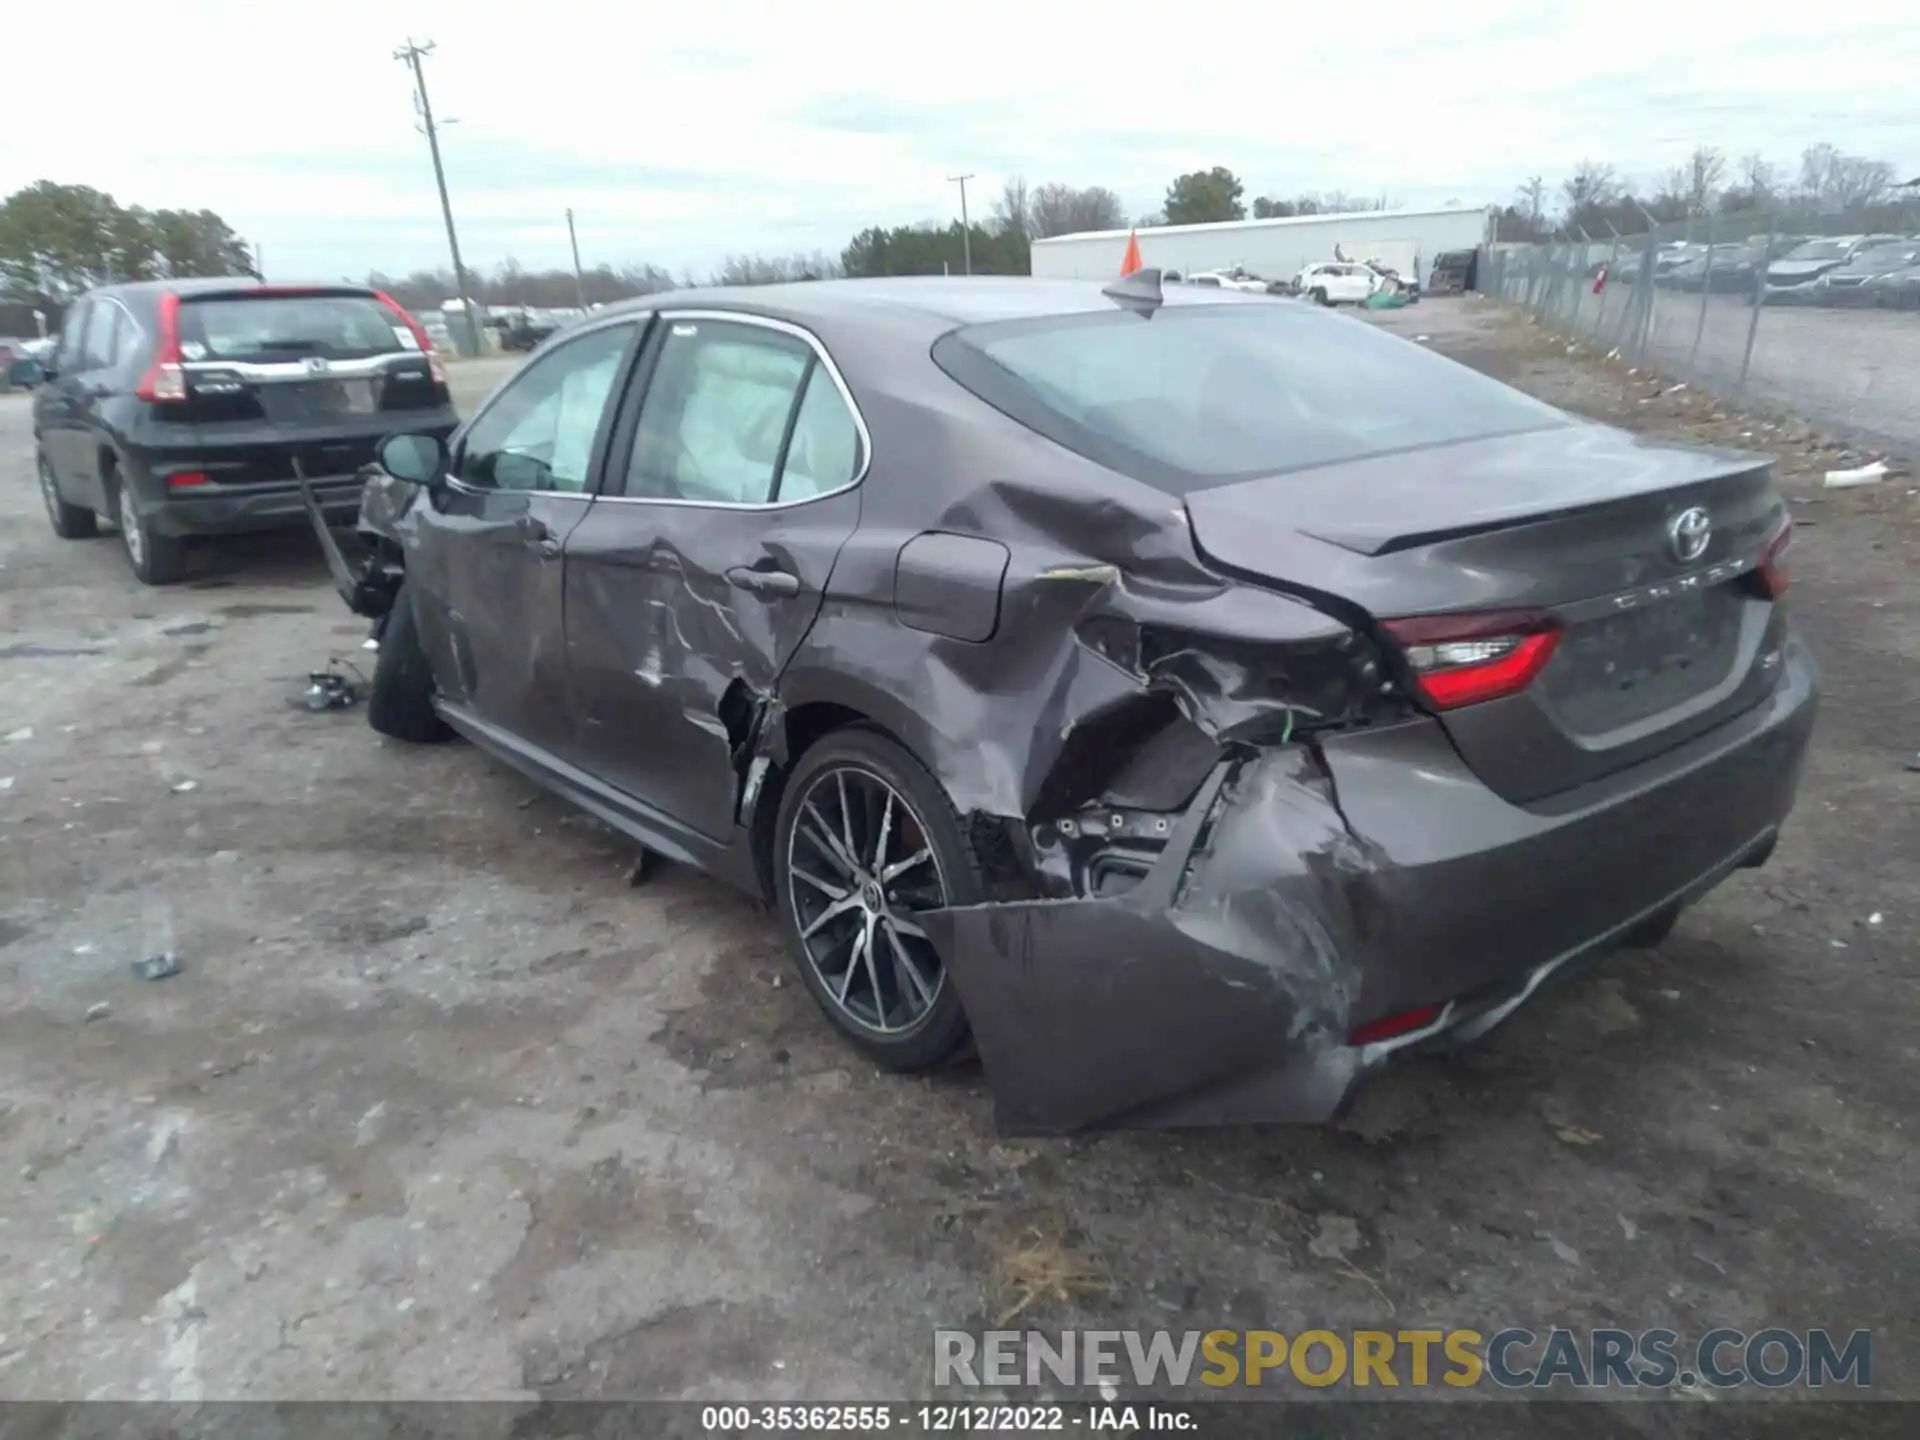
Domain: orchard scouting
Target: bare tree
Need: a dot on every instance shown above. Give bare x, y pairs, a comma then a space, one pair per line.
1531, 200
1012, 211
1840, 181
1758, 177
1057, 209
1706, 168
1591, 186
775, 269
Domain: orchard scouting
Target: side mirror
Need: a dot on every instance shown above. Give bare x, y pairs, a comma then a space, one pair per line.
417, 459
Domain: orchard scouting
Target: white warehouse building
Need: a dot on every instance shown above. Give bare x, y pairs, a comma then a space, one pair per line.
1407, 240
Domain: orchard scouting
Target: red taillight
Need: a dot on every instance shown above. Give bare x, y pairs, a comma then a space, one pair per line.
435, 366
1387, 1027
165, 382
1465, 659
186, 480
1774, 572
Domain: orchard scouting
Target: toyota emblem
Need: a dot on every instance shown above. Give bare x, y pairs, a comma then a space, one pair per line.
1689, 533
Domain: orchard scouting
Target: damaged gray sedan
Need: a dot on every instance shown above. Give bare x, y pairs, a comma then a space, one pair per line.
1193, 699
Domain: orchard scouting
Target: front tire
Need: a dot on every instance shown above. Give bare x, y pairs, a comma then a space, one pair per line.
70, 522
865, 840
400, 703
156, 559
1320, 296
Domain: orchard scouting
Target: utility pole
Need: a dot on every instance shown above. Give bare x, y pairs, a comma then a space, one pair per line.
579, 285
966, 229
411, 54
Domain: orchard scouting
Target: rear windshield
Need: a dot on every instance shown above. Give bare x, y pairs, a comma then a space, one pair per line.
1820, 250
1203, 395
286, 327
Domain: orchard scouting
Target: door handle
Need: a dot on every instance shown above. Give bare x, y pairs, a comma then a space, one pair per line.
539, 536
775, 584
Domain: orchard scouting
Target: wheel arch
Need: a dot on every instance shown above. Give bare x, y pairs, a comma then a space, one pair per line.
803, 726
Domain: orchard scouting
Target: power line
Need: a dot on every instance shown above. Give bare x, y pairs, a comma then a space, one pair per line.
411, 55
966, 228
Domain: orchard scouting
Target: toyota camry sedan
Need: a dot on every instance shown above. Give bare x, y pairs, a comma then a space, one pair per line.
1101, 676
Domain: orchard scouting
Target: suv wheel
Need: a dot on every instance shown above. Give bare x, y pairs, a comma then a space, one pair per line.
156, 559
70, 522
866, 840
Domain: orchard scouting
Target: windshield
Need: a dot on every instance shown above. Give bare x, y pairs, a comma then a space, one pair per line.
1820, 250
1197, 396
287, 327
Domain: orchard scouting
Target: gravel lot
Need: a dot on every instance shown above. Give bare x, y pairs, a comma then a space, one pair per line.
1856, 371
441, 1107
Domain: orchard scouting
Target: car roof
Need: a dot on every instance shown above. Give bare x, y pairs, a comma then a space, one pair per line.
201, 285
943, 301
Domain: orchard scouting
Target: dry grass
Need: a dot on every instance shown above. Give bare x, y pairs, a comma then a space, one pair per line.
1041, 1262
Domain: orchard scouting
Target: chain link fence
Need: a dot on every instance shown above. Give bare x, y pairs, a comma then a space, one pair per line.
1815, 319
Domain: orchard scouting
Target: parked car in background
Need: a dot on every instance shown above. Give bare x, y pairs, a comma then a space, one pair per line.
1336, 282
1346, 723
1847, 284
1790, 278
22, 363
1897, 290
181, 408
1234, 278
1453, 271
525, 329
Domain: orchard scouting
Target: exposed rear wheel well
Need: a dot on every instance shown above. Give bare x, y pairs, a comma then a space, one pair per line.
806, 726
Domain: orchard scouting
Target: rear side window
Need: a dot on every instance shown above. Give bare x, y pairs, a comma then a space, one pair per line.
265, 328
740, 414
1206, 395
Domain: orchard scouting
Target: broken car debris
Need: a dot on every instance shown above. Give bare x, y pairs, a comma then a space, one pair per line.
1196, 755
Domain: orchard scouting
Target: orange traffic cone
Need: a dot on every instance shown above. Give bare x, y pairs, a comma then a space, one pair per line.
1131, 262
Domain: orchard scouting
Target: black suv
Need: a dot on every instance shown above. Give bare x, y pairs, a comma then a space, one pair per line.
178, 408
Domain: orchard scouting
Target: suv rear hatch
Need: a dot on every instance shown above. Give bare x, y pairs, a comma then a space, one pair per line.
1536, 587
256, 377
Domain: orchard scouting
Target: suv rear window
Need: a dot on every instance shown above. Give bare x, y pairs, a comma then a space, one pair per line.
290, 327
1204, 395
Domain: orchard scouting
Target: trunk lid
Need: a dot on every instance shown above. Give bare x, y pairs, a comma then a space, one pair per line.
1574, 522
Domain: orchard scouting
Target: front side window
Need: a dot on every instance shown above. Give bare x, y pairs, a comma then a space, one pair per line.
538, 433
740, 414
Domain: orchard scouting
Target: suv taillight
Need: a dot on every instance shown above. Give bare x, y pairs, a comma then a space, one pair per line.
435, 365
1464, 659
165, 382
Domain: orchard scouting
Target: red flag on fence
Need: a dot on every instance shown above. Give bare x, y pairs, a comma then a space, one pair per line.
1131, 262
1600, 280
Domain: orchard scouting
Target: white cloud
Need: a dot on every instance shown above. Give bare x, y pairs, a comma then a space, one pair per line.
681, 135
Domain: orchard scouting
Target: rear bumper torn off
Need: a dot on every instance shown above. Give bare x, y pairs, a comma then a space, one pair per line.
1310, 890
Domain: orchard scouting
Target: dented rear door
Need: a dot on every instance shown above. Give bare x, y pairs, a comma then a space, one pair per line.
731, 486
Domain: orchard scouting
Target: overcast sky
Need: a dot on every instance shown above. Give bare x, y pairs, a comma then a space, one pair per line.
680, 133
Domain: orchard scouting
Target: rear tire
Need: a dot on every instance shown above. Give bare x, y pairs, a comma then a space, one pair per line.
156, 559
916, 1032
400, 703
70, 522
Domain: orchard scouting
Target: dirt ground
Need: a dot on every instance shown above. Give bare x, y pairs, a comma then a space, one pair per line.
440, 1106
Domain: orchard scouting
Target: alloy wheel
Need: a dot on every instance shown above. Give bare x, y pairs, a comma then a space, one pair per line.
128, 519
49, 492
859, 869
